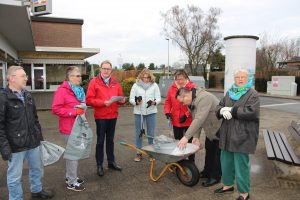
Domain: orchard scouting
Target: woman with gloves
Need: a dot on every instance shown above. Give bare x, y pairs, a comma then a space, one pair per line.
144, 96
238, 133
68, 95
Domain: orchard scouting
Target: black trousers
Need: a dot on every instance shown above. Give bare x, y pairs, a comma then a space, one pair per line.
212, 166
179, 133
105, 128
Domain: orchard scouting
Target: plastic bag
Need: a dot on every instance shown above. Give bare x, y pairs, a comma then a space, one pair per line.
50, 153
80, 141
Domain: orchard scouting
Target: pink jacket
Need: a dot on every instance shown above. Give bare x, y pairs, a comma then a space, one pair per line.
63, 106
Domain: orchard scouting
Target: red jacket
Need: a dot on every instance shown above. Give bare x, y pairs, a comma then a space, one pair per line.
98, 92
173, 106
63, 105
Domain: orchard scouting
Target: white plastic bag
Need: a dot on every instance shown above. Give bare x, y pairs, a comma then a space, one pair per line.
50, 152
80, 141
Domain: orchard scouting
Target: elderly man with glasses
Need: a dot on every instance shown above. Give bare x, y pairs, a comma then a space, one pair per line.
20, 136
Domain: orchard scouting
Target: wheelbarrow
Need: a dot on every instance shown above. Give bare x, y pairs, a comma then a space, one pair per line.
186, 170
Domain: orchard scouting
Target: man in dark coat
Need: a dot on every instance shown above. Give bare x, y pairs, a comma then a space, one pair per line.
20, 136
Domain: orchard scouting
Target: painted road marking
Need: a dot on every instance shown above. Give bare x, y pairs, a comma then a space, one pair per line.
279, 104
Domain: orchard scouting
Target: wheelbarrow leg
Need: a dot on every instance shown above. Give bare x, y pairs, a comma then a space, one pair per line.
164, 171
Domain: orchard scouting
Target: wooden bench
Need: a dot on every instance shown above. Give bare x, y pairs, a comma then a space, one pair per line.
278, 148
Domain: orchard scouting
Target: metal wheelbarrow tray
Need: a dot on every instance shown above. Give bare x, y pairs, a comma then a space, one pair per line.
186, 170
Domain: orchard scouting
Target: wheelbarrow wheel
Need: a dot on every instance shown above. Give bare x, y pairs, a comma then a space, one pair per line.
191, 176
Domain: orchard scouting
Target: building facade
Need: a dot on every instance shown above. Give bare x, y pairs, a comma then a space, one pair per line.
44, 46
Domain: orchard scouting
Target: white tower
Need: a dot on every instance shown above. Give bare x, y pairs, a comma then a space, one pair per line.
240, 53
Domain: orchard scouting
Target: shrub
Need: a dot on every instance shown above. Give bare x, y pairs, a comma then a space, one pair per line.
261, 84
298, 84
157, 77
127, 85
212, 81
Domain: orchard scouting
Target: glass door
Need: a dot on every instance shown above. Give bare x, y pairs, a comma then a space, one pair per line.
38, 77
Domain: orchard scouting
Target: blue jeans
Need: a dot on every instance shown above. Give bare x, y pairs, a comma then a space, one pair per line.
14, 172
151, 124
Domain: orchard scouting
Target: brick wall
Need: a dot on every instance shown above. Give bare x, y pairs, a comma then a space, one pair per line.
52, 34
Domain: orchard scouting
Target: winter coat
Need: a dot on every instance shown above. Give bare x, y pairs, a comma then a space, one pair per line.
98, 92
63, 106
173, 106
240, 134
203, 113
20, 129
152, 93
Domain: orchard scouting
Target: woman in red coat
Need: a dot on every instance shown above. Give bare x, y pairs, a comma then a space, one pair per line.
174, 110
99, 95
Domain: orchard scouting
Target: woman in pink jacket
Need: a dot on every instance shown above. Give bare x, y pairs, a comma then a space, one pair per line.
68, 95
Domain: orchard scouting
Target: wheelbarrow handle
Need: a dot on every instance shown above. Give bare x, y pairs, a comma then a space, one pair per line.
122, 142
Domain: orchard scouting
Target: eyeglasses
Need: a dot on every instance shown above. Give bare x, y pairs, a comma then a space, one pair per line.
146, 77
240, 77
107, 69
77, 76
22, 76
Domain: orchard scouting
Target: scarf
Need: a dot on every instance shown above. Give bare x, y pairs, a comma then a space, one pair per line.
144, 85
236, 92
78, 91
106, 80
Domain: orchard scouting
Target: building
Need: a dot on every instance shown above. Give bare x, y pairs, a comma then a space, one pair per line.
44, 46
293, 64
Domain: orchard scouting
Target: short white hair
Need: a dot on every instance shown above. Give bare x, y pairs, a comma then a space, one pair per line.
239, 70
12, 70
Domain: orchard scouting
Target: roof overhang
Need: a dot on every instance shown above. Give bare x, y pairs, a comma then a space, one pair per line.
59, 53
15, 25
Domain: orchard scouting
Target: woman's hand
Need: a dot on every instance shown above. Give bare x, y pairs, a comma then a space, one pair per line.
182, 143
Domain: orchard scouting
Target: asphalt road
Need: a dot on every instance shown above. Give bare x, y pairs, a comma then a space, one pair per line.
275, 103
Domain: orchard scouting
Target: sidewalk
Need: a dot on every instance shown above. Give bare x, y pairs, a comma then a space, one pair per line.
133, 182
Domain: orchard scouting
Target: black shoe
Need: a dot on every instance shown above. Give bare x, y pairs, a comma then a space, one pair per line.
210, 182
76, 187
79, 180
242, 198
100, 171
220, 191
114, 166
203, 175
42, 195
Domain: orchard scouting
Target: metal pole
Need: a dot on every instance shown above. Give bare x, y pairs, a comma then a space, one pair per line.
168, 57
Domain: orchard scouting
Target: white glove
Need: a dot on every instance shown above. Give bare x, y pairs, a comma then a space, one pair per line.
225, 108
227, 115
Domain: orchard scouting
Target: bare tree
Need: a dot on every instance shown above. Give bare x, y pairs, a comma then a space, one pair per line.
194, 32
274, 49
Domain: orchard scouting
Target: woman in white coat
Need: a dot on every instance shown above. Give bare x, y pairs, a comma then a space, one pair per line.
144, 96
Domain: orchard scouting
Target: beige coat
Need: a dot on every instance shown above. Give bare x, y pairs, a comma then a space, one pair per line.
203, 114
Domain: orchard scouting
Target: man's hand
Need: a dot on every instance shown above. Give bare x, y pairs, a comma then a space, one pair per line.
123, 100
182, 118
107, 103
7, 156
196, 141
182, 143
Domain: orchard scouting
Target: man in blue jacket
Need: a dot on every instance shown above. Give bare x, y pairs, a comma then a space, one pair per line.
20, 136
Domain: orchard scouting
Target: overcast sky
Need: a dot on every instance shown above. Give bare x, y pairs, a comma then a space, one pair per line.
131, 30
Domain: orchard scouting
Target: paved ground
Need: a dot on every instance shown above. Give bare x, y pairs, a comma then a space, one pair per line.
133, 182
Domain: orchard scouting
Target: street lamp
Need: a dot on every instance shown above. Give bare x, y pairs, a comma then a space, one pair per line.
168, 57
